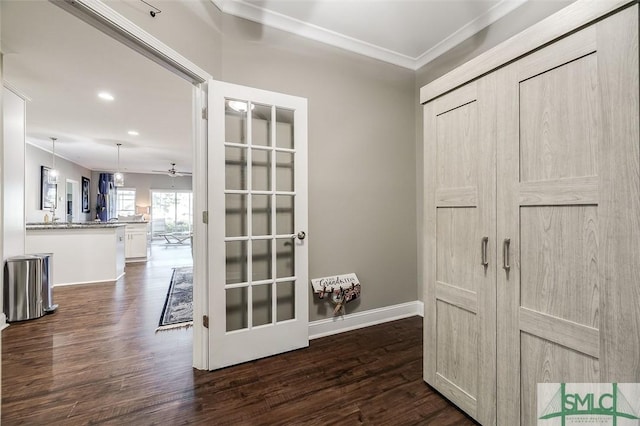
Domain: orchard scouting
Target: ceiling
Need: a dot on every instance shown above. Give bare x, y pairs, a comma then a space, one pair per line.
408, 33
61, 63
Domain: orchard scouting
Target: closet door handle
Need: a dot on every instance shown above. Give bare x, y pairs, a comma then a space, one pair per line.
505, 254
485, 242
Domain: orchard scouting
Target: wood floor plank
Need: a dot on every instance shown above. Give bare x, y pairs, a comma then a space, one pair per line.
98, 360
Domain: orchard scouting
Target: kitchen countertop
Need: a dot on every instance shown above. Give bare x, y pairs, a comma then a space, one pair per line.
74, 225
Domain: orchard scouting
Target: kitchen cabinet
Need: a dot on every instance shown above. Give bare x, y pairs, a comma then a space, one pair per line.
136, 242
532, 218
82, 253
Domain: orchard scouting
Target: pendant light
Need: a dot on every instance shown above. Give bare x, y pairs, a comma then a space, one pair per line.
53, 173
118, 178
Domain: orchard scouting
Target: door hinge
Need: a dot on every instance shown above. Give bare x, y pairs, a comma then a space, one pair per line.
204, 113
205, 216
205, 321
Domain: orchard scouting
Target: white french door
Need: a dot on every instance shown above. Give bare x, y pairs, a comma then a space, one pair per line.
258, 251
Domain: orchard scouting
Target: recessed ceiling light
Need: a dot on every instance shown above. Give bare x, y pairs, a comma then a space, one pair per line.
106, 96
133, 133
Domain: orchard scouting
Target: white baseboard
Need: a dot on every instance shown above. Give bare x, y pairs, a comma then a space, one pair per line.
92, 282
335, 325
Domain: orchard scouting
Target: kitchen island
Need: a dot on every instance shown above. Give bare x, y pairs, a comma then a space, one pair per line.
83, 253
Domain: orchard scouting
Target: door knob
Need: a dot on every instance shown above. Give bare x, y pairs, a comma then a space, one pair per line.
301, 235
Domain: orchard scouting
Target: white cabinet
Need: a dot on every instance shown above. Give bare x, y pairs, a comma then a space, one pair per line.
135, 246
81, 254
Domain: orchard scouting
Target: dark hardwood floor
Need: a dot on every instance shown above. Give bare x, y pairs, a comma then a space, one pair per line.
98, 360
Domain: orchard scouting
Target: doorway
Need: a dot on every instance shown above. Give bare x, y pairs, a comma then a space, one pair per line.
103, 18
72, 206
88, 87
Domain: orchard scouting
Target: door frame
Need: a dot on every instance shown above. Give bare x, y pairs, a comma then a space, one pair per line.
75, 198
102, 17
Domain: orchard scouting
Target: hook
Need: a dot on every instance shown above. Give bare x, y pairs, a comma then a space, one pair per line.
154, 10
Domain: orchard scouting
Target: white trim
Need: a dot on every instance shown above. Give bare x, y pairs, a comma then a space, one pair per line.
9, 86
295, 26
335, 325
420, 308
199, 194
90, 282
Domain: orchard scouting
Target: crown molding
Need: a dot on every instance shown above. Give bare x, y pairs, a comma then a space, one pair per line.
286, 23
481, 22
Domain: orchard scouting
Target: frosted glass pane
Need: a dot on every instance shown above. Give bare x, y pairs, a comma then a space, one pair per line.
261, 215
235, 121
284, 172
262, 306
261, 125
261, 260
235, 168
261, 170
284, 214
236, 215
285, 301
236, 261
236, 301
284, 128
285, 266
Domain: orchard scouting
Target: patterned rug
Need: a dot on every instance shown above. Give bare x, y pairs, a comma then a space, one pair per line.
178, 306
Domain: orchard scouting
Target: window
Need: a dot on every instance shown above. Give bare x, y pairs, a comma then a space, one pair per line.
126, 201
171, 212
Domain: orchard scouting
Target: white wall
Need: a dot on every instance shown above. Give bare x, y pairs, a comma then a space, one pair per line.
13, 233
36, 157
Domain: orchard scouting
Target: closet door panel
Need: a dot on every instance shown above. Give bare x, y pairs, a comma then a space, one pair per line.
547, 147
456, 263
620, 196
554, 107
562, 174
459, 237
542, 358
559, 262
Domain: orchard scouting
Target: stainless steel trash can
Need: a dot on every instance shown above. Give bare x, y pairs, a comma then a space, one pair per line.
23, 288
47, 284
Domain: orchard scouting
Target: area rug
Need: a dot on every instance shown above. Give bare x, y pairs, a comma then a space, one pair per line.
178, 306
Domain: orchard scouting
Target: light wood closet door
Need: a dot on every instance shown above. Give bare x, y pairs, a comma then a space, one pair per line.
568, 200
460, 247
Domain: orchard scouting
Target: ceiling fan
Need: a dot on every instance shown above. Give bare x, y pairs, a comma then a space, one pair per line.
173, 172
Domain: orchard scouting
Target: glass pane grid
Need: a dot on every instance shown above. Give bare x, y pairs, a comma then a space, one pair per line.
266, 175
